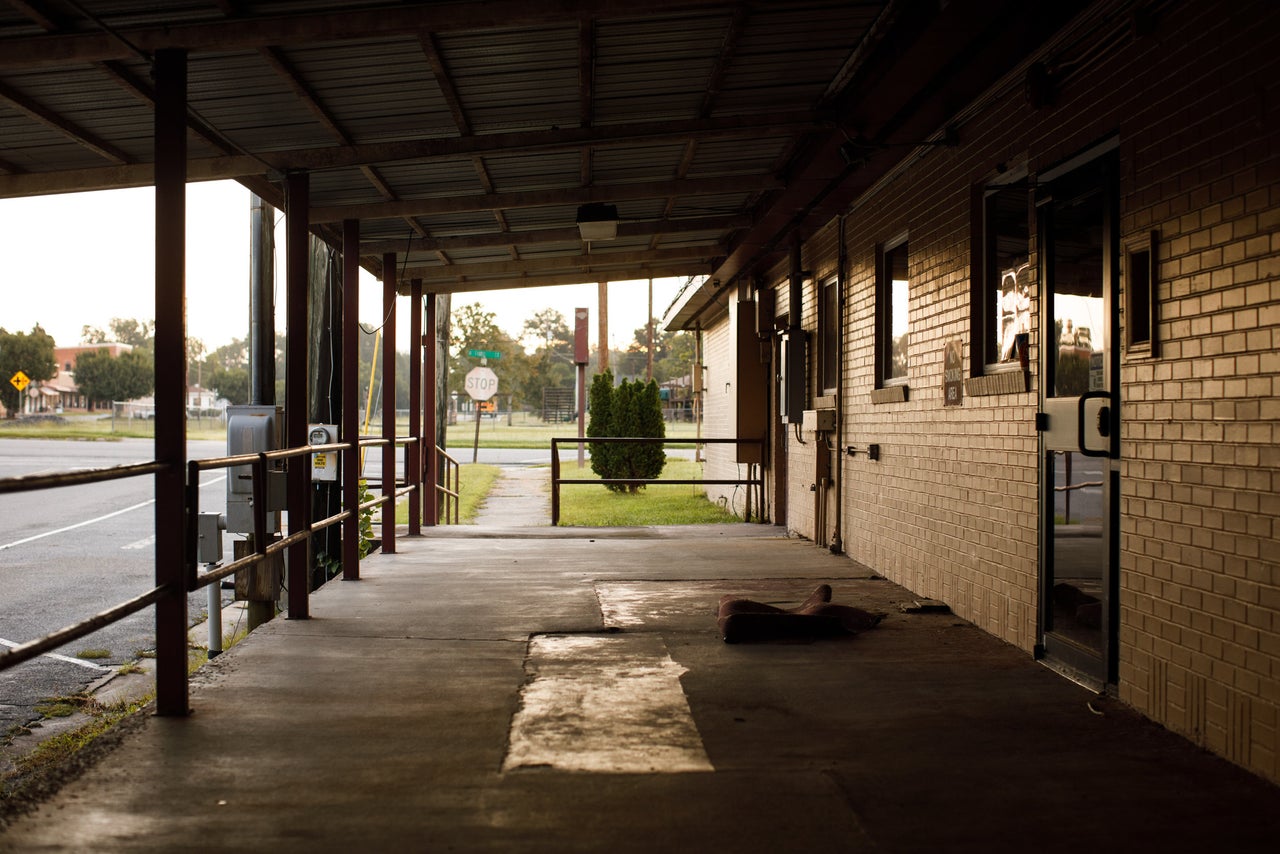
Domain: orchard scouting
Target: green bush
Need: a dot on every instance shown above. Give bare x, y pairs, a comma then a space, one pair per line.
633, 409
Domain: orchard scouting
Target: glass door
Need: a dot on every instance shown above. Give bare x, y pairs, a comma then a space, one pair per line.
1079, 422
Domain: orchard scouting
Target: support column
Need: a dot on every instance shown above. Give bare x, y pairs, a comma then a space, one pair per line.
262, 307
389, 402
351, 397
602, 357
296, 409
413, 473
431, 498
172, 697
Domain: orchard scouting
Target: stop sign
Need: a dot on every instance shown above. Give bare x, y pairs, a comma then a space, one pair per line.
482, 383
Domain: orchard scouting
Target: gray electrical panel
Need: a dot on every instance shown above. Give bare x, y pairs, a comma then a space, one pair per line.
251, 429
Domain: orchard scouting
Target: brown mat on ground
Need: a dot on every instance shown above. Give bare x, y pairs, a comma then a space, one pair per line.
744, 620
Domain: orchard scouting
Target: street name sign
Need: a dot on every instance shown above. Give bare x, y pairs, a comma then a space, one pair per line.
484, 354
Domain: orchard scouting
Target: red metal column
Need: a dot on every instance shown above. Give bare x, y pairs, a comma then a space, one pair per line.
297, 293
351, 397
389, 402
413, 473
431, 499
172, 696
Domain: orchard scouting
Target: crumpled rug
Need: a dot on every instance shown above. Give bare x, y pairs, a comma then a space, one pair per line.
742, 620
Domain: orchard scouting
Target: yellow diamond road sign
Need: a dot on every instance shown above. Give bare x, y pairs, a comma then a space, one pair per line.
19, 380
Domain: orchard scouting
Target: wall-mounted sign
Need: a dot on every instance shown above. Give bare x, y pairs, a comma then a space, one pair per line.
953, 373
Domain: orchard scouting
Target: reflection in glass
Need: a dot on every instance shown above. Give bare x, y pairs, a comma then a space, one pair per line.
897, 323
1079, 549
1008, 273
1078, 325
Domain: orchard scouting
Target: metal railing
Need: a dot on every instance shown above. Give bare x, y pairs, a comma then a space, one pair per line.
191, 578
30, 483
557, 480
449, 487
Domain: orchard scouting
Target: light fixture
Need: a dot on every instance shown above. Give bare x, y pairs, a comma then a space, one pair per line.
598, 221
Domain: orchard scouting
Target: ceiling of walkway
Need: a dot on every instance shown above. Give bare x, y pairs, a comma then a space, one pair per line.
465, 136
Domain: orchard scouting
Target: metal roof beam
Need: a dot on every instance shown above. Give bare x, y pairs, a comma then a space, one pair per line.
664, 228
69, 129
637, 272
547, 198
251, 33
336, 157
564, 263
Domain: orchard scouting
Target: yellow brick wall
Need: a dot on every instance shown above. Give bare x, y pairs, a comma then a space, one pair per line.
951, 509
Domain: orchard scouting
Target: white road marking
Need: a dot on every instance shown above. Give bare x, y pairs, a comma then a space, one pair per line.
129, 509
605, 704
140, 544
68, 659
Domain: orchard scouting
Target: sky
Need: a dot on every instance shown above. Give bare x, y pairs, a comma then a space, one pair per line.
80, 259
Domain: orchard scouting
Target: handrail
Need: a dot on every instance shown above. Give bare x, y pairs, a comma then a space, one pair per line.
556, 480
258, 463
452, 475
32, 482
29, 650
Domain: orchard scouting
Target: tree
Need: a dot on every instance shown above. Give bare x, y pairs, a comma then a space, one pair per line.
139, 334
633, 409
103, 377
29, 352
231, 383
473, 328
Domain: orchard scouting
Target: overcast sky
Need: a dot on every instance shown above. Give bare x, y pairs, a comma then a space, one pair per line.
68, 261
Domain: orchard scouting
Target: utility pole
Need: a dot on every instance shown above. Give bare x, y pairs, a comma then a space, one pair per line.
602, 360
649, 325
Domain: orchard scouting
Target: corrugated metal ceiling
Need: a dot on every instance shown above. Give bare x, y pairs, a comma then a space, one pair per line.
451, 127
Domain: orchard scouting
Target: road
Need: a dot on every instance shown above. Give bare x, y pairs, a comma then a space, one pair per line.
68, 553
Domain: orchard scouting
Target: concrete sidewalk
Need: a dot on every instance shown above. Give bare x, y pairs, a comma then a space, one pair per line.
452, 699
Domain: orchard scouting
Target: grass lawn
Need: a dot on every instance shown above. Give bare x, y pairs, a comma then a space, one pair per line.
677, 504
476, 479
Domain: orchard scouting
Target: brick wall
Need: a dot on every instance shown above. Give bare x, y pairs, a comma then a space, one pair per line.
951, 509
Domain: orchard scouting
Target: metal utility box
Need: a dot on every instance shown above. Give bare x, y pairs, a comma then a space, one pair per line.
818, 421
793, 380
251, 429
324, 465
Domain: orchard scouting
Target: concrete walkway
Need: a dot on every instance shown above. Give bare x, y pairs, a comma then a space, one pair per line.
520, 498
572, 694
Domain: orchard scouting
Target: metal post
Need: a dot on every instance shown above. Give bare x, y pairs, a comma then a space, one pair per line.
431, 498
351, 398
582, 413
262, 309
172, 697
215, 618
413, 465
297, 293
389, 402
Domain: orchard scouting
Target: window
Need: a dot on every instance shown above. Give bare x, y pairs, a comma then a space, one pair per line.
830, 325
1140, 296
893, 328
1006, 275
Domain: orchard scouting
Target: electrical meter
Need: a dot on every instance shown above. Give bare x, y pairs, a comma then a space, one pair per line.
324, 465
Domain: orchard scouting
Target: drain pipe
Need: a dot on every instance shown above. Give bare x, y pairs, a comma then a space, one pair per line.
837, 542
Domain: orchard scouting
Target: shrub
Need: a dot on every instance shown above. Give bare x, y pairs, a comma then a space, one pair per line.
633, 409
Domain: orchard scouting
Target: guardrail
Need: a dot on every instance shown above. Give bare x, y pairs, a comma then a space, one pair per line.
29, 483
191, 578
451, 476
557, 480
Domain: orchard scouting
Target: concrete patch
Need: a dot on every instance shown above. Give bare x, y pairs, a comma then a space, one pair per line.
604, 704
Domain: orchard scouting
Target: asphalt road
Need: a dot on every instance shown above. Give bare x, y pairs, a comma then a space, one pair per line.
69, 553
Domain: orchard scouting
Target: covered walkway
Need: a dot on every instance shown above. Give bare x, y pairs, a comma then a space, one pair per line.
444, 702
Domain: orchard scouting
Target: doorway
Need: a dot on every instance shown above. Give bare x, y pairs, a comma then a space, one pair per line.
1080, 419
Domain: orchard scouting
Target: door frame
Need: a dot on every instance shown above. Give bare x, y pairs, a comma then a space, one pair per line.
1094, 669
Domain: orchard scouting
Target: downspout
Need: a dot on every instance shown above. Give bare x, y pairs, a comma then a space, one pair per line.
837, 541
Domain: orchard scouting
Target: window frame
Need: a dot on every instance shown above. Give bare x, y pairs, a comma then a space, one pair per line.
885, 253
985, 351
828, 300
